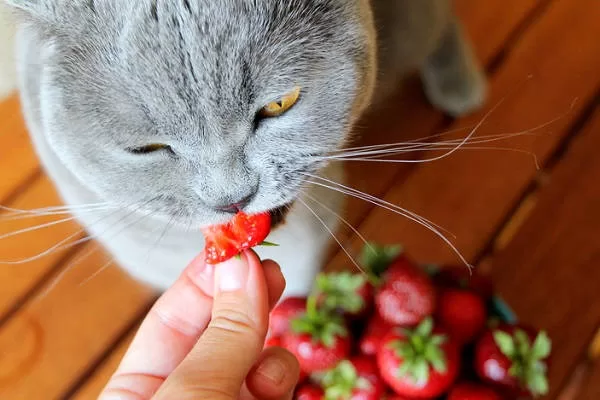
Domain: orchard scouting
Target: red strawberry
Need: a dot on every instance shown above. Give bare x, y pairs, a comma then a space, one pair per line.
462, 277
463, 313
371, 338
472, 391
514, 359
407, 295
354, 379
283, 313
345, 292
309, 392
419, 363
319, 339
274, 341
243, 232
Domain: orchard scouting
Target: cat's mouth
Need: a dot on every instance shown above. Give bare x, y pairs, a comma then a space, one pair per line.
278, 215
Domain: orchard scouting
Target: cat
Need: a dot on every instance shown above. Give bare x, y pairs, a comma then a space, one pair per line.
156, 118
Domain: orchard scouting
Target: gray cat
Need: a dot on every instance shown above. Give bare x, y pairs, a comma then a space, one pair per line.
155, 118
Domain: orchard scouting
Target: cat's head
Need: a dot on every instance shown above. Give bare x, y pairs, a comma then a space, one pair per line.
190, 107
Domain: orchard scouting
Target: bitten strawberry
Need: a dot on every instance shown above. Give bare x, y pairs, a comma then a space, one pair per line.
319, 339
283, 313
373, 334
472, 391
419, 363
243, 232
354, 379
463, 314
407, 295
345, 292
515, 359
309, 392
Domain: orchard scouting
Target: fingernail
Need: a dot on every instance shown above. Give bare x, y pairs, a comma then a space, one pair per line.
233, 274
273, 370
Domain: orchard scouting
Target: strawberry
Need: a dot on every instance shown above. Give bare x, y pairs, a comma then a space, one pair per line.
463, 313
407, 295
515, 359
354, 379
345, 292
283, 313
461, 277
273, 341
243, 232
420, 363
374, 333
319, 339
472, 391
376, 259
309, 392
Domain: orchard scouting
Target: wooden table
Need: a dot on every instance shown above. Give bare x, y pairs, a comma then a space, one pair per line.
535, 230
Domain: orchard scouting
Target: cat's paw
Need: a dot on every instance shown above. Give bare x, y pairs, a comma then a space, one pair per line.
457, 94
452, 77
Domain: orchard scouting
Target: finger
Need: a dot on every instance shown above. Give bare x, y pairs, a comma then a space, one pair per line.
166, 336
274, 376
275, 281
218, 365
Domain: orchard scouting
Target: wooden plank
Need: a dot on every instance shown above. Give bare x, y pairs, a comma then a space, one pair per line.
410, 116
16, 281
471, 192
17, 159
549, 272
93, 386
591, 388
55, 338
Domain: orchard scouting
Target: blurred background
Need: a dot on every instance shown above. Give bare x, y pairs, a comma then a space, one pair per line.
525, 209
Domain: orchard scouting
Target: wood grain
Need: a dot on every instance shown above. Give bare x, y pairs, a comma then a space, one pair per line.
549, 272
57, 336
591, 386
472, 192
93, 386
17, 159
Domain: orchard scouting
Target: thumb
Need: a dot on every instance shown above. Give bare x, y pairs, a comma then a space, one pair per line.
218, 365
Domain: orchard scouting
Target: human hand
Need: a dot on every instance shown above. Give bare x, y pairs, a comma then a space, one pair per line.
204, 339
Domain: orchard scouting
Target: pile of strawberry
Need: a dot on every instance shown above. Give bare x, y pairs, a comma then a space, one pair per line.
400, 332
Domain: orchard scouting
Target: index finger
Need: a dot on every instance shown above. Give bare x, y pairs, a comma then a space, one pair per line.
169, 332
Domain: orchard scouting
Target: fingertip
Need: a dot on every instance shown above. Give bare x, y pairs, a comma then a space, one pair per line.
275, 281
275, 374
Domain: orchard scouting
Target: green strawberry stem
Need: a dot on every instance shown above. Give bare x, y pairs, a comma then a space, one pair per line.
420, 352
341, 381
339, 291
323, 325
376, 259
528, 359
268, 244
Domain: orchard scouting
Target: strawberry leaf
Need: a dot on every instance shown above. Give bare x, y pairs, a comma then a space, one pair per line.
505, 343
376, 259
341, 381
268, 244
340, 291
425, 328
542, 347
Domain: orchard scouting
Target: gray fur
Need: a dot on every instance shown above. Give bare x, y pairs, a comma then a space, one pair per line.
100, 77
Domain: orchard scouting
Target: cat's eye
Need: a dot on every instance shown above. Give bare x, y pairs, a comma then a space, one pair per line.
281, 106
150, 148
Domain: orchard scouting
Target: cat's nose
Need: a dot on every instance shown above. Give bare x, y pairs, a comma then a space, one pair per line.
235, 207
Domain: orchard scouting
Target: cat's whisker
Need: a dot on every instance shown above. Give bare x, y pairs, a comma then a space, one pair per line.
332, 235
44, 210
379, 202
37, 227
343, 220
391, 207
55, 213
95, 247
403, 161
64, 243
